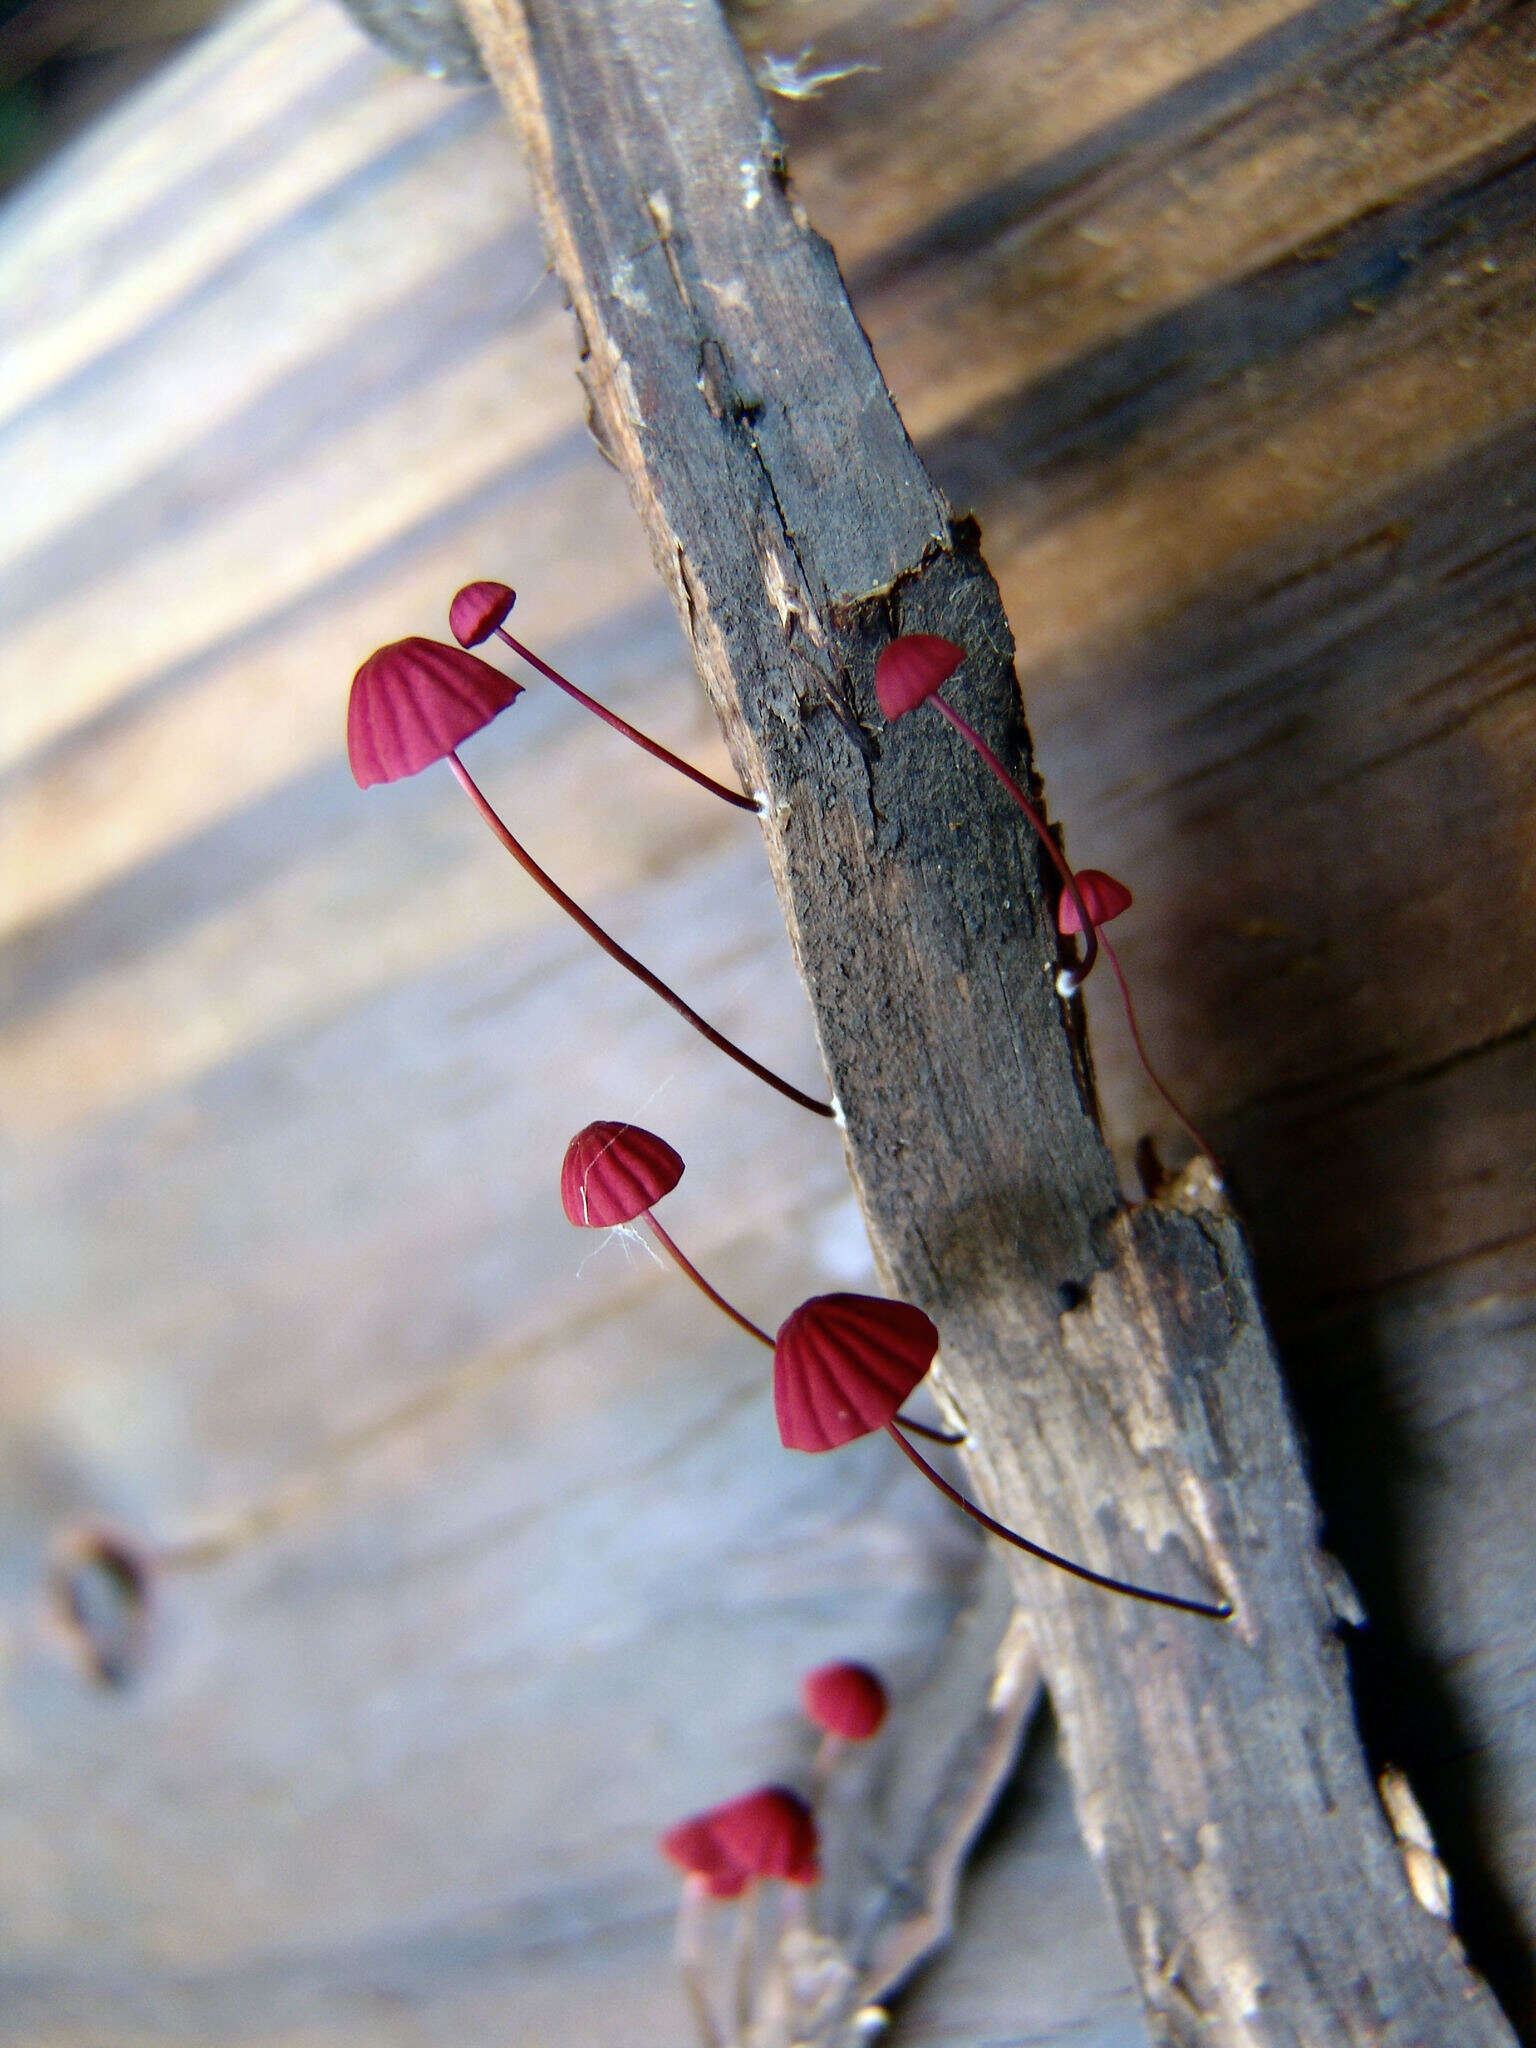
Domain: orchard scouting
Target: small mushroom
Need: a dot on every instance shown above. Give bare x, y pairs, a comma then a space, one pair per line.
726, 1853
612, 1174
481, 609
842, 1366
772, 1835
848, 1703
699, 1853
909, 672
769, 1833
413, 703
1100, 895
710, 1874
1104, 898
845, 1700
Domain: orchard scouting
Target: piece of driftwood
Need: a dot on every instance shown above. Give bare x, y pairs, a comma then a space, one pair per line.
1109, 1363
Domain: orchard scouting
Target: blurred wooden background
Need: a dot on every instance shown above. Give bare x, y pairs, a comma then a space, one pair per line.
1220, 317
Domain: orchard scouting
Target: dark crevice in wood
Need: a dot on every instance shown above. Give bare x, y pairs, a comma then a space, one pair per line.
1364, 1463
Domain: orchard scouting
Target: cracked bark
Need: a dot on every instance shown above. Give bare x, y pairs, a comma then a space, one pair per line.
1218, 1774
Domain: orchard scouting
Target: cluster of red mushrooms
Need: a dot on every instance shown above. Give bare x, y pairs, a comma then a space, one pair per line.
729, 1852
843, 1364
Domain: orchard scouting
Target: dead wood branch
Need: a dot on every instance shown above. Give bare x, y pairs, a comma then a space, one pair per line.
1110, 1363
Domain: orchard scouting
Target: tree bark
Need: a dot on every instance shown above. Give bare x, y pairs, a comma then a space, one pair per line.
1109, 1363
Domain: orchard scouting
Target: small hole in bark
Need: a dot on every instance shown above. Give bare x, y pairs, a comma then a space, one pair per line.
1071, 1294
98, 1595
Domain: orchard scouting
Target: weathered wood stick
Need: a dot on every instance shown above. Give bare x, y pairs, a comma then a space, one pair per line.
1110, 1363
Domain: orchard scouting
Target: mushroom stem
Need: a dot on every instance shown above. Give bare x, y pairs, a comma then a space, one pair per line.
1141, 1051
615, 951
1215, 1611
934, 1436
712, 1294
654, 747
829, 1754
692, 1910
937, 1436
1072, 979
744, 1958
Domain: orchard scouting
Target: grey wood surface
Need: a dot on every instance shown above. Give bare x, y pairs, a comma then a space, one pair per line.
284, 1076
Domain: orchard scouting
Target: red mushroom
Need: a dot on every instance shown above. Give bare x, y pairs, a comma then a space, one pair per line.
769, 1833
909, 672
725, 1854
842, 1366
1105, 898
710, 1874
477, 610
847, 1702
480, 609
1100, 895
613, 1173
413, 703
844, 1700
699, 1853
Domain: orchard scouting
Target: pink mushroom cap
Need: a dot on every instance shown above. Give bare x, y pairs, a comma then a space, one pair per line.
478, 609
698, 1852
842, 1366
844, 1699
1103, 898
413, 702
612, 1173
769, 1833
911, 668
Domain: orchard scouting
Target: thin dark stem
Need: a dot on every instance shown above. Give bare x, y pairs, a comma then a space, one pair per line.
687, 1265
615, 951
730, 796
968, 732
1141, 1053
1220, 1612
938, 1436
934, 1436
